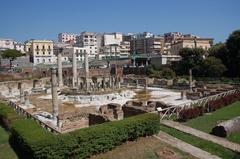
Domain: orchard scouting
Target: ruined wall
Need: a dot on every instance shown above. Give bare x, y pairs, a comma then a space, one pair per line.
131, 111
97, 119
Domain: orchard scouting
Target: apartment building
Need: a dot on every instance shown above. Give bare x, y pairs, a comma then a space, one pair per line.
172, 36
79, 51
112, 38
67, 38
147, 45
189, 42
41, 51
91, 40
11, 44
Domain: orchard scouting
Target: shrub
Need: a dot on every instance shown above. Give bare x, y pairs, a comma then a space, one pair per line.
31, 141
190, 113
7, 115
212, 105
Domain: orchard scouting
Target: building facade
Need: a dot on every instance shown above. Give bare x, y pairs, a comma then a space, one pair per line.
41, 51
147, 45
112, 38
79, 51
67, 38
90, 39
204, 43
172, 36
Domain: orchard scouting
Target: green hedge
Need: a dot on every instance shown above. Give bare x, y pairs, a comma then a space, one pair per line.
32, 141
7, 115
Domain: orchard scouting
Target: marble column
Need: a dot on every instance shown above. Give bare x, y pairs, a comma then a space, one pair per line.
136, 83
74, 70
190, 79
10, 90
26, 98
54, 94
59, 63
86, 71
21, 93
146, 83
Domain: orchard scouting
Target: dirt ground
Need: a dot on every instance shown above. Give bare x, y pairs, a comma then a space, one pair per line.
46, 105
144, 148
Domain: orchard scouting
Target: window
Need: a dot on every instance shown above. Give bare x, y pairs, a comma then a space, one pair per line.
43, 60
43, 47
37, 60
49, 53
43, 53
37, 47
49, 60
37, 53
49, 47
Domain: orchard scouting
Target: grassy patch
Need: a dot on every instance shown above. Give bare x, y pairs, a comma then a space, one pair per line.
143, 148
208, 121
202, 144
6, 152
234, 138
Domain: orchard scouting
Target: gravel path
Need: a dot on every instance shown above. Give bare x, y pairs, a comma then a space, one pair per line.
218, 140
195, 151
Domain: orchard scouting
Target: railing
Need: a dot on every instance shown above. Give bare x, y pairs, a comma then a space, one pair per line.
23, 112
176, 109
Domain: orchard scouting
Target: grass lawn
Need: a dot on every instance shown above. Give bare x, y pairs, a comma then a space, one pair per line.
144, 148
6, 152
208, 121
208, 146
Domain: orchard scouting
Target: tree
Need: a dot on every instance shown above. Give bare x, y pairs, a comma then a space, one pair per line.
233, 46
191, 59
11, 55
213, 67
167, 73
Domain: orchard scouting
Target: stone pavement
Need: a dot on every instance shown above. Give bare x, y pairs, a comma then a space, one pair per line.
218, 140
194, 151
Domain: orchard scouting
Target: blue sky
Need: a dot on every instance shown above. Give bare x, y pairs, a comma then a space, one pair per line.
44, 19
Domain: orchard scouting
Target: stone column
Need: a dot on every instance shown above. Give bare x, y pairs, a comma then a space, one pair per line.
54, 94
59, 63
26, 99
74, 69
190, 79
146, 83
110, 82
34, 83
86, 71
10, 90
21, 93
136, 83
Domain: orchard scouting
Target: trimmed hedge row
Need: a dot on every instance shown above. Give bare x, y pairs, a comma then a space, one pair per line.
7, 115
211, 106
30, 140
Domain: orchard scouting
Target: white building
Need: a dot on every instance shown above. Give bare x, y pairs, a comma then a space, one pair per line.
41, 51
6, 44
20, 47
112, 38
67, 38
79, 51
91, 40
11, 44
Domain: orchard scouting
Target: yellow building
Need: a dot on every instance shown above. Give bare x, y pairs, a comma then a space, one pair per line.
204, 43
41, 51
